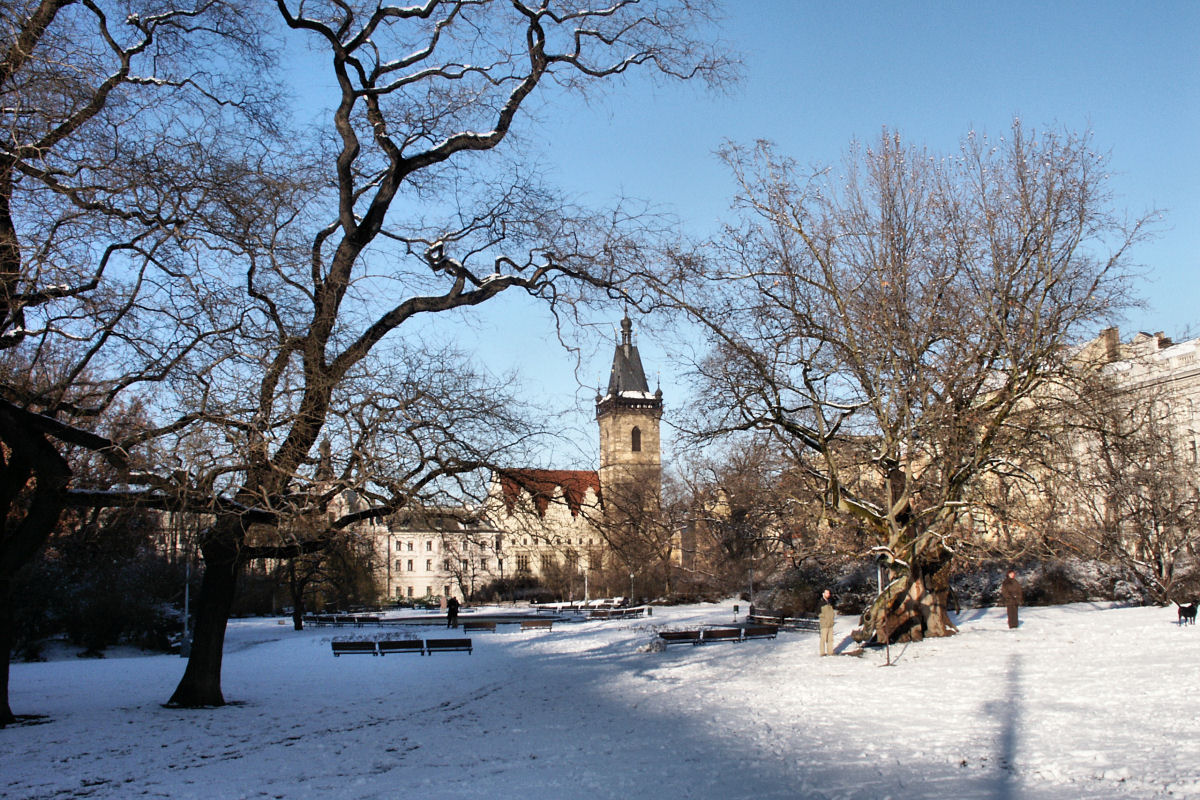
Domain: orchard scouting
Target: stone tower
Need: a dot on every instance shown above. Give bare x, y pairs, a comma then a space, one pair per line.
628, 415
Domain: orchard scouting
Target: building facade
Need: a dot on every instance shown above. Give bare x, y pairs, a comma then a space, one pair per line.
536, 525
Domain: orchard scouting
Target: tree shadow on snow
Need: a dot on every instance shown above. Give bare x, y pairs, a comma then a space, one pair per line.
1007, 712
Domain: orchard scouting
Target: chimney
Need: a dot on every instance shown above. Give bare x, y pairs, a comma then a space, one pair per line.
1112, 343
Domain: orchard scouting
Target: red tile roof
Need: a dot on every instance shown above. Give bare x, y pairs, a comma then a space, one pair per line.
542, 485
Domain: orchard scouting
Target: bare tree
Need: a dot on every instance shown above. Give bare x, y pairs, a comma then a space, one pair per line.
1130, 487
409, 222
116, 137
744, 513
891, 323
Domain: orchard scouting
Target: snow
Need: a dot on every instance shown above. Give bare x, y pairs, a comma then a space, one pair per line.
1083, 701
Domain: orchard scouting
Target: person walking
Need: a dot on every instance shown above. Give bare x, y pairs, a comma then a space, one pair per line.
1012, 595
452, 612
826, 623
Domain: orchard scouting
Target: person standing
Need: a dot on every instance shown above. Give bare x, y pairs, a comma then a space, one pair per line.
452, 612
1012, 595
826, 623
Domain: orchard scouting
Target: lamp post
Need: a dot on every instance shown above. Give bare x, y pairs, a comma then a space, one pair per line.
185, 644
887, 640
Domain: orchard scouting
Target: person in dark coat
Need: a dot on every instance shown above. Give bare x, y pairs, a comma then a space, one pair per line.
452, 612
826, 623
1011, 594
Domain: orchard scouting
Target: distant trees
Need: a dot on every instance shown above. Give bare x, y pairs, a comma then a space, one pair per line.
1129, 480
890, 322
740, 514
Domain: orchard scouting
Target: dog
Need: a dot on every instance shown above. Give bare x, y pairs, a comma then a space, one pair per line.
1187, 614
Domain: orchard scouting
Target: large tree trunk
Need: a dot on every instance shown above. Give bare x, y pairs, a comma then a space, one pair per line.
31, 463
918, 608
200, 686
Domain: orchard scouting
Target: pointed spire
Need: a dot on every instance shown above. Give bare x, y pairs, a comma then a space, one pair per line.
325, 461
627, 374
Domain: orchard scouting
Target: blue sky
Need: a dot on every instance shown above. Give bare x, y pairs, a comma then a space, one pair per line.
818, 75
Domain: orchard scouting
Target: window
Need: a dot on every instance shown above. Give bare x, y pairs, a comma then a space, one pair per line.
410, 547
465, 565
429, 565
637, 440
522, 563
410, 591
548, 562
445, 565
483, 564
429, 545
410, 566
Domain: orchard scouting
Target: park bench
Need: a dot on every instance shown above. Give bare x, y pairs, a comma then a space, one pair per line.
347, 648
479, 625
679, 637
760, 632
789, 623
536, 624
447, 646
402, 646
721, 635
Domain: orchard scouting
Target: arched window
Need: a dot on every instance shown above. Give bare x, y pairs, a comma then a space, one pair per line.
637, 440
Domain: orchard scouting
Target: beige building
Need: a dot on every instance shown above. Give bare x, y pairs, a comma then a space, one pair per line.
541, 524
1154, 365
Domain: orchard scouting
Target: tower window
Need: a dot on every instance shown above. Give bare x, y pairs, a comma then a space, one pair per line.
637, 440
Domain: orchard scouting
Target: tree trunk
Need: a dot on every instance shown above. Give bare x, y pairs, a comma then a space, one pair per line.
200, 686
921, 610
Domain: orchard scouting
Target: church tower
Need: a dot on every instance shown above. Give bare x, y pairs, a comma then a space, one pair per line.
629, 415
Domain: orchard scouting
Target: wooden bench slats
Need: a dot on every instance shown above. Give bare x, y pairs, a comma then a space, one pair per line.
447, 645
346, 648
760, 632
472, 625
680, 637
711, 635
537, 624
418, 646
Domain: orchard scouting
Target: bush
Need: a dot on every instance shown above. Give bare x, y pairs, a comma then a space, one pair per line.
100, 585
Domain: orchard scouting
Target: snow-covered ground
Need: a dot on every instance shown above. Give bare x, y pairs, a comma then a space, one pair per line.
1083, 701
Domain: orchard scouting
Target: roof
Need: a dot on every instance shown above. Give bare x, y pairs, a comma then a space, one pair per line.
543, 485
627, 374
